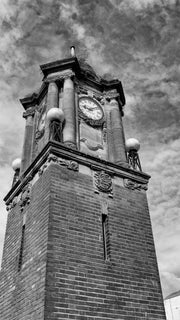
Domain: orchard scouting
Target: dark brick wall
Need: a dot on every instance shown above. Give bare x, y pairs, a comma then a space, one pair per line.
22, 292
80, 284
64, 275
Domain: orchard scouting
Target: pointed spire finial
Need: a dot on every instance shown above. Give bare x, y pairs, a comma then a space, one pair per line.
72, 51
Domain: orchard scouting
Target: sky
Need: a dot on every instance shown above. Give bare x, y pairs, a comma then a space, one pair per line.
136, 41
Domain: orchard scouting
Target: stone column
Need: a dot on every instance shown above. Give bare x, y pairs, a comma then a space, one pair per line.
52, 96
52, 102
27, 146
117, 134
69, 131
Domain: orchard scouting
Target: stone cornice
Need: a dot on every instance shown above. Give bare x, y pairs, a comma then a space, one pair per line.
51, 70
34, 98
59, 149
60, 65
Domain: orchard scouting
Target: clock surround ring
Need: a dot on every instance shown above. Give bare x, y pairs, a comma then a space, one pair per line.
87, 116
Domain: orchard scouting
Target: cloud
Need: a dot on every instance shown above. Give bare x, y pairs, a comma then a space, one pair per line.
141, 5
163, 163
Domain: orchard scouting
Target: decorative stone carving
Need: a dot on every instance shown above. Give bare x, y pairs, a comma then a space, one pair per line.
70, 145
104, 131
90, 93
58, 76
42, 169
12, 204
79, 89
29, 112
102, 182
39, 134
71, 165
25, 196
132, 185
112, 94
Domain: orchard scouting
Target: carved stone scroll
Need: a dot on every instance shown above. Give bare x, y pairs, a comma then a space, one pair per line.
71, 165
132, 185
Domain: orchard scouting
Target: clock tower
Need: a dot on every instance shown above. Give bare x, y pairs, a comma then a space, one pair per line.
78, 241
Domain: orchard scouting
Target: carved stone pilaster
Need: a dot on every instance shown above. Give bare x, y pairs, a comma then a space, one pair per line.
132, 185
27, 145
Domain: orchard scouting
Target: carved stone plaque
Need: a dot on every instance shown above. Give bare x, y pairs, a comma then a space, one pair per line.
102, 182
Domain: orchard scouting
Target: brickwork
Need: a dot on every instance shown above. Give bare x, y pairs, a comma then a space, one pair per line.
80, 284
22, 292
64, 274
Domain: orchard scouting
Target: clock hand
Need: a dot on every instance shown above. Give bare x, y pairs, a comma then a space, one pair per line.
89, 108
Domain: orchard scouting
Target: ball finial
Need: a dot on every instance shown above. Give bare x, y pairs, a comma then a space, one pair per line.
55, 114
132, 144
16, 164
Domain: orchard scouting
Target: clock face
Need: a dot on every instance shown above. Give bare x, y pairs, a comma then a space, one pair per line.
90, 108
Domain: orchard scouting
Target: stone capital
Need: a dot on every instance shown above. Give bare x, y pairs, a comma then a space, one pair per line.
29, 112
59, 76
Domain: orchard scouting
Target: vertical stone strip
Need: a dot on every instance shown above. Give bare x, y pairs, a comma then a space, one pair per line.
27, 146
61, 99
77, 121
34, 143
110, 143
117, 134
52, 102
69, 132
